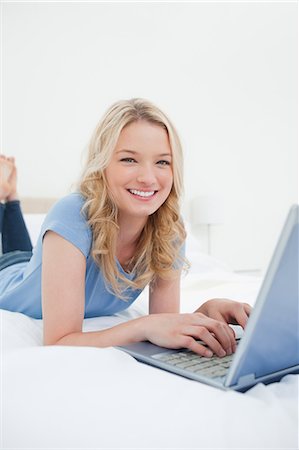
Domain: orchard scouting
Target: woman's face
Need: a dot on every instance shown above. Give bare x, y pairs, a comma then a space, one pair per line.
139, 175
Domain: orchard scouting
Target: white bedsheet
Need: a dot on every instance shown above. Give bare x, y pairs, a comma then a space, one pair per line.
66, 397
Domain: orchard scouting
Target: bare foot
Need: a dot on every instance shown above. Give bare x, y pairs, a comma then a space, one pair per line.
8, 179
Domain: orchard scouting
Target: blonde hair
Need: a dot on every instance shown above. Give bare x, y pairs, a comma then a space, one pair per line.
160, 243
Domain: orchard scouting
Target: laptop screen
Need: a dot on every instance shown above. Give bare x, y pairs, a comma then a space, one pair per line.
271, 342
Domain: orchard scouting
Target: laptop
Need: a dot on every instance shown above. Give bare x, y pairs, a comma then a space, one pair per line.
269, 347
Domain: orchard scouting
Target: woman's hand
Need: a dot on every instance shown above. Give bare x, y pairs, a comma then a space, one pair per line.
183, 330
227, 311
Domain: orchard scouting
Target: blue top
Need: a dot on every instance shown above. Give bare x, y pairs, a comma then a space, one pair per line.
20, 284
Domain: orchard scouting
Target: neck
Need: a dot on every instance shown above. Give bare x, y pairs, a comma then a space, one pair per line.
127, 241
129, 231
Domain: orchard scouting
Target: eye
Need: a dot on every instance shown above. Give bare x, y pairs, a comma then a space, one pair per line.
163, 162
129, 160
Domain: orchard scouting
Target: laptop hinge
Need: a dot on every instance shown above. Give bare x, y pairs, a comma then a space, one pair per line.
246, 380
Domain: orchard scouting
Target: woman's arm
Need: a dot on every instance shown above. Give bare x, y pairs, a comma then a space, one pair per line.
63, 301
63, 288
164, 295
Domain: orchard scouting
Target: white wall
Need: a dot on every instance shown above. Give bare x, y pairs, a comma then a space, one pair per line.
226, 74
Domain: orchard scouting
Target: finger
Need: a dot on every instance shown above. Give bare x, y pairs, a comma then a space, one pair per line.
248, 308
241, 315
223, 333
232, 336
196, 347
206, 338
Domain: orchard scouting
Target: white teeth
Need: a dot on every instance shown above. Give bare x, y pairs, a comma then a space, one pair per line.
142, 193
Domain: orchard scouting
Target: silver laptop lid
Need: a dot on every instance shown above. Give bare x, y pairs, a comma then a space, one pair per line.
271, 340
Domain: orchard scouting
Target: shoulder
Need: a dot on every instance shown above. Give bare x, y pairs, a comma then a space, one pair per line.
67, 218
68, 210
70, 204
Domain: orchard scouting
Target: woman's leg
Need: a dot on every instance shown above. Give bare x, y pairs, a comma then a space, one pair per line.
2, 208
11, 258
15, 235
6, 167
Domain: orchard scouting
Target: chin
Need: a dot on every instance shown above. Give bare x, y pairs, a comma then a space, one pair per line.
143, 213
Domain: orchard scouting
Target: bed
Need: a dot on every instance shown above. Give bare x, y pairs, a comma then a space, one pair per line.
89, 398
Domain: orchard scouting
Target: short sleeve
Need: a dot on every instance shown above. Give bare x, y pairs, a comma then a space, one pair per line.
67, 219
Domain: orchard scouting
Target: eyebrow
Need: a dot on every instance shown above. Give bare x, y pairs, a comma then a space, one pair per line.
136, 153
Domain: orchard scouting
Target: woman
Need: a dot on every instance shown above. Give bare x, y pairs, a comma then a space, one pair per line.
99, 247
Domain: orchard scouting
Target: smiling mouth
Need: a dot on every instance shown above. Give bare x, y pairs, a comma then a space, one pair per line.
142, 194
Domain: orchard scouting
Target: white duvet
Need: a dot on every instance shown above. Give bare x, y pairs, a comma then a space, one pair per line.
89, 398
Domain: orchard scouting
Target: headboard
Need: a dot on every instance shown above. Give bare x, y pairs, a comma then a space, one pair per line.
37, 205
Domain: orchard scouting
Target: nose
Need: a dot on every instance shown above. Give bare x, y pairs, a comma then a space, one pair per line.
146, 175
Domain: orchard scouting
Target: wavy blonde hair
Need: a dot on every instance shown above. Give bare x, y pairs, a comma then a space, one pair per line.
160, 243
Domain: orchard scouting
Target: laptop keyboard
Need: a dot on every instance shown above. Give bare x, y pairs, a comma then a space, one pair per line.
186, 359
